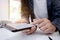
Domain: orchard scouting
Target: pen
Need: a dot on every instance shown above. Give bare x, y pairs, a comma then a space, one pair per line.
50, 38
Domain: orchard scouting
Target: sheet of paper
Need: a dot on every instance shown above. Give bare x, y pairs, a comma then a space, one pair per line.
7, 35
36, 36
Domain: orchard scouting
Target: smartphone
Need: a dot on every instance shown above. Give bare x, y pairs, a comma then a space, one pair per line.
18, 27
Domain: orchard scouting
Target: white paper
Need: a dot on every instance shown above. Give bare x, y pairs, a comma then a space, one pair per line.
7, 35
35, 36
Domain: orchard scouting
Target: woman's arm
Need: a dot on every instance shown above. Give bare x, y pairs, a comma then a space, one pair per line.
56, 13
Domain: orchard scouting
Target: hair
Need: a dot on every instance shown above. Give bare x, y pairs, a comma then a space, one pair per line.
25, 10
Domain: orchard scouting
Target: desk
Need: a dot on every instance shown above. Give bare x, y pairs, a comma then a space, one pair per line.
7, 35
4, 34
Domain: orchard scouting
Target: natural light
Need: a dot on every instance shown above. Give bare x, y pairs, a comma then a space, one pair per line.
15, 10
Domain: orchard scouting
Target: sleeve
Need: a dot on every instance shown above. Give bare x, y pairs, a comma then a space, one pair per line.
56, 14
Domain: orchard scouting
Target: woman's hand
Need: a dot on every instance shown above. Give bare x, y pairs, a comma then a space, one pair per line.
27, 31
30, 31
21, 21
45, 25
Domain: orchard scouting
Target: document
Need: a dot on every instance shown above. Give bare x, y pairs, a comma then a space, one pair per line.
34, 36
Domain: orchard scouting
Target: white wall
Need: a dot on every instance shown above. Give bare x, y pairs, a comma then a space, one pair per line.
3, 9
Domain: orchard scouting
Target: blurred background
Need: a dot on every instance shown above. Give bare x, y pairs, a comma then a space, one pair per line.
10, 10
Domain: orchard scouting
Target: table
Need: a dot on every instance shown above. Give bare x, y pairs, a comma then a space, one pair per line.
8, 35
